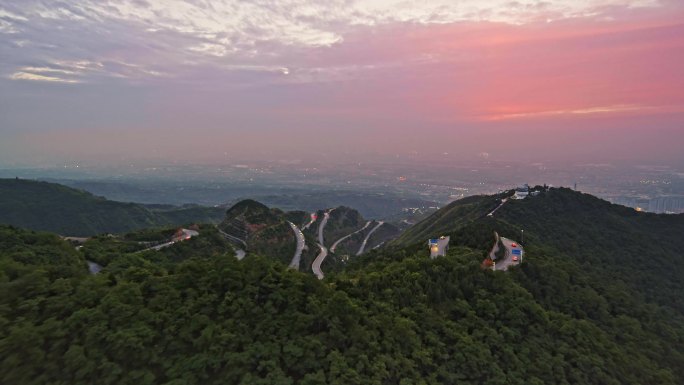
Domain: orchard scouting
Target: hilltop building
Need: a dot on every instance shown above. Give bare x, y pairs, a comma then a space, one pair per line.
438, 247
522, 192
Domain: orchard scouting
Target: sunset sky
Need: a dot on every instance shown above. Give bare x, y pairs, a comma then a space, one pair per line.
92, 80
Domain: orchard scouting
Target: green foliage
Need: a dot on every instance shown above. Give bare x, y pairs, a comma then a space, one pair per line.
457, 214
342, 221
614, 243
193, 314
265, 230
52, 207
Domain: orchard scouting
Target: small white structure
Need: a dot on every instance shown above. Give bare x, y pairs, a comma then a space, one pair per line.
438, 247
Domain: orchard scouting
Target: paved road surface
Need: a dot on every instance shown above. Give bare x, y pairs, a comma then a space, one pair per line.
76, 239
507, 260
232, 237
316, 265
365, 240
187, 234
334, 246
240, 254
503, 202
93, 267
321, 226
300, 246
313, 219
495, 248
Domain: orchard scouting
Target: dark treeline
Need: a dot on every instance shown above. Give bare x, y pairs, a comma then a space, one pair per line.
193, 314
70, 212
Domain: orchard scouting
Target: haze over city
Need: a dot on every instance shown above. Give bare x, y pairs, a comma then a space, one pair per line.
102, 83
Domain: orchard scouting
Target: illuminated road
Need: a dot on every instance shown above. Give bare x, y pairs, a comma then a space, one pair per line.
316, 265
334, 246
300, 246
240, 254
495, 248
503, 202
232, 238
365, 241
187, 234
313, 219
93, 267
507, 260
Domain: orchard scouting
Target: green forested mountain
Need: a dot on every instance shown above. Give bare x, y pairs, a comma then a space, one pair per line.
66, 211
343, 220
639, 249
261, 230
579, 310
347, 224
458, 213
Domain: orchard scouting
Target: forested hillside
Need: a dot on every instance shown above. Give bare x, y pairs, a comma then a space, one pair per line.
456, 214
194, 314
66, 211
617, 243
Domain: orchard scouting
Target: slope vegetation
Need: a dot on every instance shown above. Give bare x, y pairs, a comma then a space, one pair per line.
63, 210
265, 231
580, 309
456, 214
211, 319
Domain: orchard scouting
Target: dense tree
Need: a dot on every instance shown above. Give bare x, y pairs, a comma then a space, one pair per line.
193, 314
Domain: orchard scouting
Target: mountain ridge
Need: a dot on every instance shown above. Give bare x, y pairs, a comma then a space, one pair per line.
566, 315
67, 211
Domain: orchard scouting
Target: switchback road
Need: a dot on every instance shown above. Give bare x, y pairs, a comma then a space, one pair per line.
300, 246
365, 240
334, 246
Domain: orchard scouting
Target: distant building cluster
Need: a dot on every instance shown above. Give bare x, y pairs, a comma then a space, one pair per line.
659, 205
524, 191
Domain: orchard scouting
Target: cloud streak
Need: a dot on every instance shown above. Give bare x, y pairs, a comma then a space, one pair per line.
184, 33
40, 78
375, 68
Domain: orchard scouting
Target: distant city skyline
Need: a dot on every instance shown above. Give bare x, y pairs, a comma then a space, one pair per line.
190, 81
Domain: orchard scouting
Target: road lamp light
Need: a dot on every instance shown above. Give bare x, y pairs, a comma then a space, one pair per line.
522, 236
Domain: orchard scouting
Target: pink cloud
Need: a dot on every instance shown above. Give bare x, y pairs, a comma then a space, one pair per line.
484, 71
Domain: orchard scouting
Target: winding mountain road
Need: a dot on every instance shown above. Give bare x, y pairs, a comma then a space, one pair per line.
495, 248
365, 240
503, 202
240, 254
334, 246
313, 219
321, 226
187, 234
507, 260
93, 267
232, 238
316, 265
300, 246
